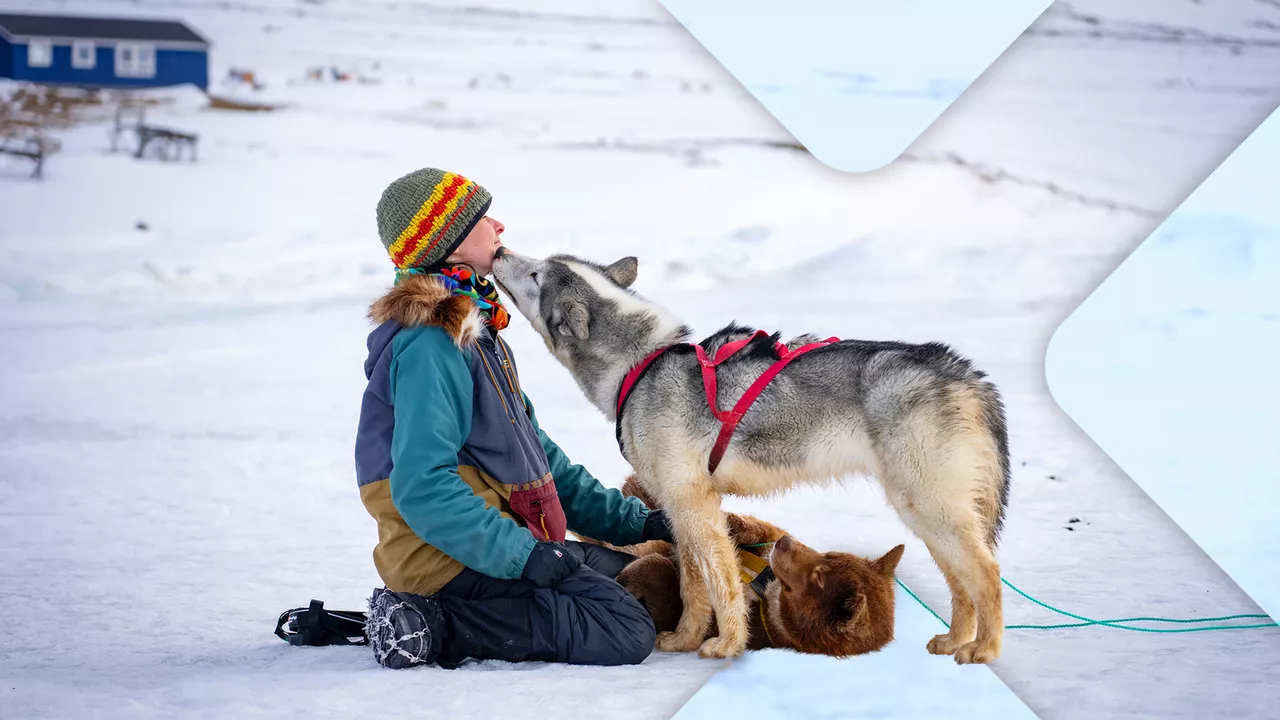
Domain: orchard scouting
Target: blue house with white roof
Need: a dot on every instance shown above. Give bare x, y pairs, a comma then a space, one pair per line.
102, 52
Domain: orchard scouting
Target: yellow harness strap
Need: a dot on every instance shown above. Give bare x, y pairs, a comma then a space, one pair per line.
750, 568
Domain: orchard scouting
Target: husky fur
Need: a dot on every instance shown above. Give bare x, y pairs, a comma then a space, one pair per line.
834, 604
919, 418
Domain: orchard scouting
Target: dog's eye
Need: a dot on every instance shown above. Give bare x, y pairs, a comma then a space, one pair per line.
533, 276
785, 587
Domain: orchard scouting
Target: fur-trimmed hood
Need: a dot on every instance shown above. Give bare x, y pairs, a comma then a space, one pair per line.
420, 300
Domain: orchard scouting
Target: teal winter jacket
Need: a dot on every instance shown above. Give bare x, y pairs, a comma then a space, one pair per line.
450, 459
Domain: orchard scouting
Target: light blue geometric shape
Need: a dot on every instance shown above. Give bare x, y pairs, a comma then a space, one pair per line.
1172, 366
856, 81
901, 681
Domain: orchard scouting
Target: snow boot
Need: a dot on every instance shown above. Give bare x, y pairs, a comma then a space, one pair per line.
403, 628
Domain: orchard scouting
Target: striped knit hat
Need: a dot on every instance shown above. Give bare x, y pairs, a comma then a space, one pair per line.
425, 215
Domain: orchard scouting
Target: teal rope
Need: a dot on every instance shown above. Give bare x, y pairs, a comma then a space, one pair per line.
917, 599
1117, 623
1119, 626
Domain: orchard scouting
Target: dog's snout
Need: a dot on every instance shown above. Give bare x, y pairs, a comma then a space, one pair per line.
497, 254
783, 543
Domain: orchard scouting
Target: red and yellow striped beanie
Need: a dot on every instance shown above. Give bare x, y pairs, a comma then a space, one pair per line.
425, 215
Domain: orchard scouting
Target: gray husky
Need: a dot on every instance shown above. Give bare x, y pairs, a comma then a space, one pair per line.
919, 418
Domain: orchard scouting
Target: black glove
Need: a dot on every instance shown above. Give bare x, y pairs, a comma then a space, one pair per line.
658, 527
549, 564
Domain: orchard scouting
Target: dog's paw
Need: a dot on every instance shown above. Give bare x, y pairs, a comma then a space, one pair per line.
673, 641
944, 644
978, 651
719, 647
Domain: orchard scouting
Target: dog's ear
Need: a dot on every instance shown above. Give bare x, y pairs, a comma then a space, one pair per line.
623, 271
570, 317
818, 576
856, 605
889, 561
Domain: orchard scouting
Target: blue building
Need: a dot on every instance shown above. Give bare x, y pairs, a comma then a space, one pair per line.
102, 52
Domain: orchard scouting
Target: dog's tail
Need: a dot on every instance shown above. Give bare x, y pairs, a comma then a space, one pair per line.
631, 488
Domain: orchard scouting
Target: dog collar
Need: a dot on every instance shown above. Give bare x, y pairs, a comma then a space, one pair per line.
757, 574
765, 623
755, 571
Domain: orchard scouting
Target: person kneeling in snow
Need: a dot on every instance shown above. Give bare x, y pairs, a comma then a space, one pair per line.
471, 497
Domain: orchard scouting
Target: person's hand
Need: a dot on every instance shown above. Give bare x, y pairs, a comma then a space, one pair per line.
549, 564
658, 527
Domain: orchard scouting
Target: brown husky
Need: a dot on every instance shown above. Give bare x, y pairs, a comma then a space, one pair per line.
834, 604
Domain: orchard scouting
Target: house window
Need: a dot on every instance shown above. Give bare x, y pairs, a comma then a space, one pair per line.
39, 53
135, 60
83, 55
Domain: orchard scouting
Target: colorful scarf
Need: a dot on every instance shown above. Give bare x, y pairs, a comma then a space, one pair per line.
461, 280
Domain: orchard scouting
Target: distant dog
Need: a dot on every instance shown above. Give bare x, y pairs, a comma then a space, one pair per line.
919, 418
834, 604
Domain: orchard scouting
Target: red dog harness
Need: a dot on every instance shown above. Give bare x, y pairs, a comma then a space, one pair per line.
728, 420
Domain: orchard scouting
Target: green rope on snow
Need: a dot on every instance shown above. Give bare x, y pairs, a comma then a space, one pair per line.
1117, 623
917, 599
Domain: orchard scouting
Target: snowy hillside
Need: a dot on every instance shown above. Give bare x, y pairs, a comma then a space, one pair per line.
182, 343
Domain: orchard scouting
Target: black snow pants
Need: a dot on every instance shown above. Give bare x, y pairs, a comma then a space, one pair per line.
588, 619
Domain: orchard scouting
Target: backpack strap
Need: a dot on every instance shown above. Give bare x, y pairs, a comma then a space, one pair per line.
315, 626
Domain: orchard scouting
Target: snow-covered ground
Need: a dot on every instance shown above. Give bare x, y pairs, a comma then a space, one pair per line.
179, 403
